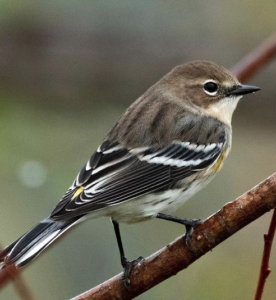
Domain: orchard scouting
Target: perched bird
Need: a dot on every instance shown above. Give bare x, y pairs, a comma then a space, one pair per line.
167, 146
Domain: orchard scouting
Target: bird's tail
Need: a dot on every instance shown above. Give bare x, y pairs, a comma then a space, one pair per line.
32, 243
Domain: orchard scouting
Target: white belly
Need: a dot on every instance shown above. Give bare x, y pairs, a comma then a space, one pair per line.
150, 205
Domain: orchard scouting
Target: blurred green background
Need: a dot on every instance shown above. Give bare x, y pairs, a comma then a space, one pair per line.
68, 69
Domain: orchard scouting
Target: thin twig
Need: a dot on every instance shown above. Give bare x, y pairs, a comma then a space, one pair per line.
265, 270
251, 64
245, 70
21, 287
8, 274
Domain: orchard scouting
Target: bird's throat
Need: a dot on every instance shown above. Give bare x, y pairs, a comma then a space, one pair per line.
223, 110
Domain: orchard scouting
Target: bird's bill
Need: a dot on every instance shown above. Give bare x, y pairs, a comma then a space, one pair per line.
243, 89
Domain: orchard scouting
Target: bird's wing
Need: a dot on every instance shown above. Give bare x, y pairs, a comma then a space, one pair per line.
115, 174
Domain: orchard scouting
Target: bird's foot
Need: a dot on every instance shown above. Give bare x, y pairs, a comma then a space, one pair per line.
128, 265
190, 225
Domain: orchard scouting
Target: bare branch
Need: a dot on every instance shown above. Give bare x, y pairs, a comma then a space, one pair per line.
265, 270
7, 274
21, 287
252, 63
176, 256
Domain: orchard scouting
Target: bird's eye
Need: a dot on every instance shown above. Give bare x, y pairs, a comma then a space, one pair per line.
210, 88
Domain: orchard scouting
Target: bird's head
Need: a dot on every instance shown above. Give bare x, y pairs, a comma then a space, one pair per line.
208, 87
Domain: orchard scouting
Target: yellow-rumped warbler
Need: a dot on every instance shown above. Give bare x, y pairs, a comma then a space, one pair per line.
166, 146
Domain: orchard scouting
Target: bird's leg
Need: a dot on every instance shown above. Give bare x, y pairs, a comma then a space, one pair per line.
127, 265
189, 224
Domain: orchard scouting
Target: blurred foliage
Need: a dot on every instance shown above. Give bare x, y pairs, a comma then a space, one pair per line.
68, 69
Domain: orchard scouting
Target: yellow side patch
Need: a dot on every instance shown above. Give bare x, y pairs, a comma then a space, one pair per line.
78, 191
218, 164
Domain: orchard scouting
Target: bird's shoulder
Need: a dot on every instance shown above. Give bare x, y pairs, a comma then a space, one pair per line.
202, 129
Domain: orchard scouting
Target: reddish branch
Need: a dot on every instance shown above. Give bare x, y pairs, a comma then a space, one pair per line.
21, 287
176, 256
244, 70
7, 274
255, 60
265, 271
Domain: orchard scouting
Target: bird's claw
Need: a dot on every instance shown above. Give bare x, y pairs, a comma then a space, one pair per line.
190, 225
128, 265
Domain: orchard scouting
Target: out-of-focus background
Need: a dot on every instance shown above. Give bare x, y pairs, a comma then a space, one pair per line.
68, 69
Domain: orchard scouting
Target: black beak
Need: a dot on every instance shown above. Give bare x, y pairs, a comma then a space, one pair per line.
243, 89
